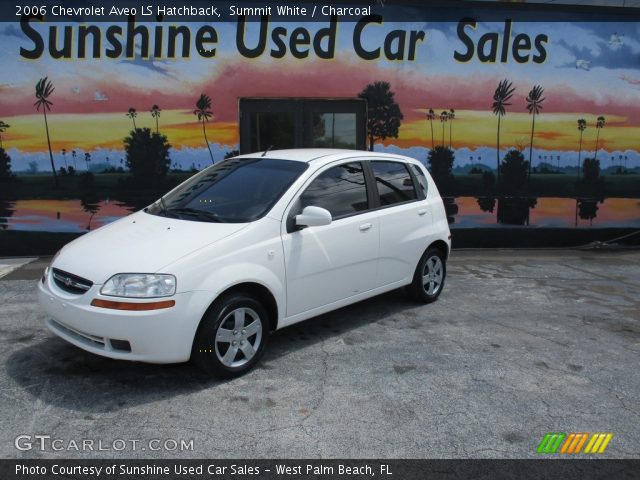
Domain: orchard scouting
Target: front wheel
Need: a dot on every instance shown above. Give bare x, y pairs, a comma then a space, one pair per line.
428, 279
231, 337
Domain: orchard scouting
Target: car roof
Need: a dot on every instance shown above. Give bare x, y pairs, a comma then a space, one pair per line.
323, 156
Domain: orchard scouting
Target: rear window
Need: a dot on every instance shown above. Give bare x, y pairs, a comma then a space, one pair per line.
237, 190
394, 182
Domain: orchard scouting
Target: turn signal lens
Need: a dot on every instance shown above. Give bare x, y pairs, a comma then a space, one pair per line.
138, 307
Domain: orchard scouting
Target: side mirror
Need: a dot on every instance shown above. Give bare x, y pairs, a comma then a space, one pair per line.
313, 217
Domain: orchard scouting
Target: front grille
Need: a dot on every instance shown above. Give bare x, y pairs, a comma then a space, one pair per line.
70, 283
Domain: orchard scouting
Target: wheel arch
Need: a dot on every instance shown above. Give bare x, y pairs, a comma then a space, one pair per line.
442, 246
255, 290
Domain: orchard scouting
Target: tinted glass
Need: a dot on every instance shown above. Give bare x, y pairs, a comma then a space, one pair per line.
341, 190
422, 179
236, 190
333, 130
394, 182
272, 129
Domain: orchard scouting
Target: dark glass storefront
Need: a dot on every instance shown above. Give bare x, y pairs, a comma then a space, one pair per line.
302, 123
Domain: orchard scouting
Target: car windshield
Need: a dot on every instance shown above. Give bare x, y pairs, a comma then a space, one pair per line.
237, 190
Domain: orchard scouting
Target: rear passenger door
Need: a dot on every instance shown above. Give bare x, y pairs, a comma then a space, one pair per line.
330, 263
404, 218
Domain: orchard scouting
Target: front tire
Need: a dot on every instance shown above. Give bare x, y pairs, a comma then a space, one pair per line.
429, 277
232, 336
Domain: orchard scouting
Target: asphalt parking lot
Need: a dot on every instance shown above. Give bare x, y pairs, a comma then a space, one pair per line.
519, 344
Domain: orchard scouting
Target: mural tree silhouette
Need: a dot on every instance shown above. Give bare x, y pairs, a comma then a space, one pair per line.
73, 155
64, 157
599, 125
431, 115
444, 116
501, 97
5, 165
452, 116
87, 159
147, 154
534, 105
3, 128
591, 170
384, 115
514, 170
204, 113
132, 114
44, 89
155, 113
440, 160
582, 126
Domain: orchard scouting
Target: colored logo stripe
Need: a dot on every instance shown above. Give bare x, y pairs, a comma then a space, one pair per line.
551, 442
598, 442
573, 443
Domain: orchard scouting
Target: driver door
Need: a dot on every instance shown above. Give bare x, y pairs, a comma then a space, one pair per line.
333, 262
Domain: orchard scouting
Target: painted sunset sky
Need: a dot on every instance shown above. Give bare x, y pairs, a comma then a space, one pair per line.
591, 69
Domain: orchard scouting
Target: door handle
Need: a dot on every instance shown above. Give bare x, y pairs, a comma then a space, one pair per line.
422, 211
365, 226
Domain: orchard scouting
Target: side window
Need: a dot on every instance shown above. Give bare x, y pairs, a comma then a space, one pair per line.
394, 182
422, 179
341, 190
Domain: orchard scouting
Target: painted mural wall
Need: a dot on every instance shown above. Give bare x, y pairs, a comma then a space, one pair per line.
523, 122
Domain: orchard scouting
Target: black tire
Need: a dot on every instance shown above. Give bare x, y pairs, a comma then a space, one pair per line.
429, 293
210, 347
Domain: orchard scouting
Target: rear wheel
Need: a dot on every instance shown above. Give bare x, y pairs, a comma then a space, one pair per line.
231, 337
429, 277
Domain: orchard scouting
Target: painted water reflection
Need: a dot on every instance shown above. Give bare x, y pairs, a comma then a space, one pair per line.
546, 212
462, 212
60, 215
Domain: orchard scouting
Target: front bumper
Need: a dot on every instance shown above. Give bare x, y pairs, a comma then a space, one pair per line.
155, 336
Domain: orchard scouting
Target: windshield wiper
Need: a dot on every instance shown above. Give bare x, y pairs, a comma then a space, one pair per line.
197, 213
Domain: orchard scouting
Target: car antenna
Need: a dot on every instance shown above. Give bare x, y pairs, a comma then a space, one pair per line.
267, 150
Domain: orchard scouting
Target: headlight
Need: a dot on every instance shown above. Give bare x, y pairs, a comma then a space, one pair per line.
140, 285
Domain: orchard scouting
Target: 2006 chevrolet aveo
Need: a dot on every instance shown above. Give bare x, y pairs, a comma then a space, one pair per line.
247, 246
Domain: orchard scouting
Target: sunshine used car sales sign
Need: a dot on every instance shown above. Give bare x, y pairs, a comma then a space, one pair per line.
369, 38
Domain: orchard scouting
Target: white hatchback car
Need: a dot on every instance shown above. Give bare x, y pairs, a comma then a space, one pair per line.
248, 246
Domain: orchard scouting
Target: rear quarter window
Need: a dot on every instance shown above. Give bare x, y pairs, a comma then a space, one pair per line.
422, 179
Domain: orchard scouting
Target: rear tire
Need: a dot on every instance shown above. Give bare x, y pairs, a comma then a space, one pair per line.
232, 336
429, 277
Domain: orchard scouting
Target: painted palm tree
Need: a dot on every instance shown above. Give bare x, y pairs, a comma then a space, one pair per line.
44, 89
155, 113
3, 128
582, 126
64, 157
87, 159
444, 116
204, 113
501, 97
599, 124
132, 114
534, 105
452, 116
73, 155
431, 116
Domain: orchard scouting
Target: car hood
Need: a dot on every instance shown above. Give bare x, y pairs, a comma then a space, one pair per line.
139, 243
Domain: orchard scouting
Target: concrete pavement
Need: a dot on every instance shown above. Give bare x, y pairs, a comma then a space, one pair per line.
520, 343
